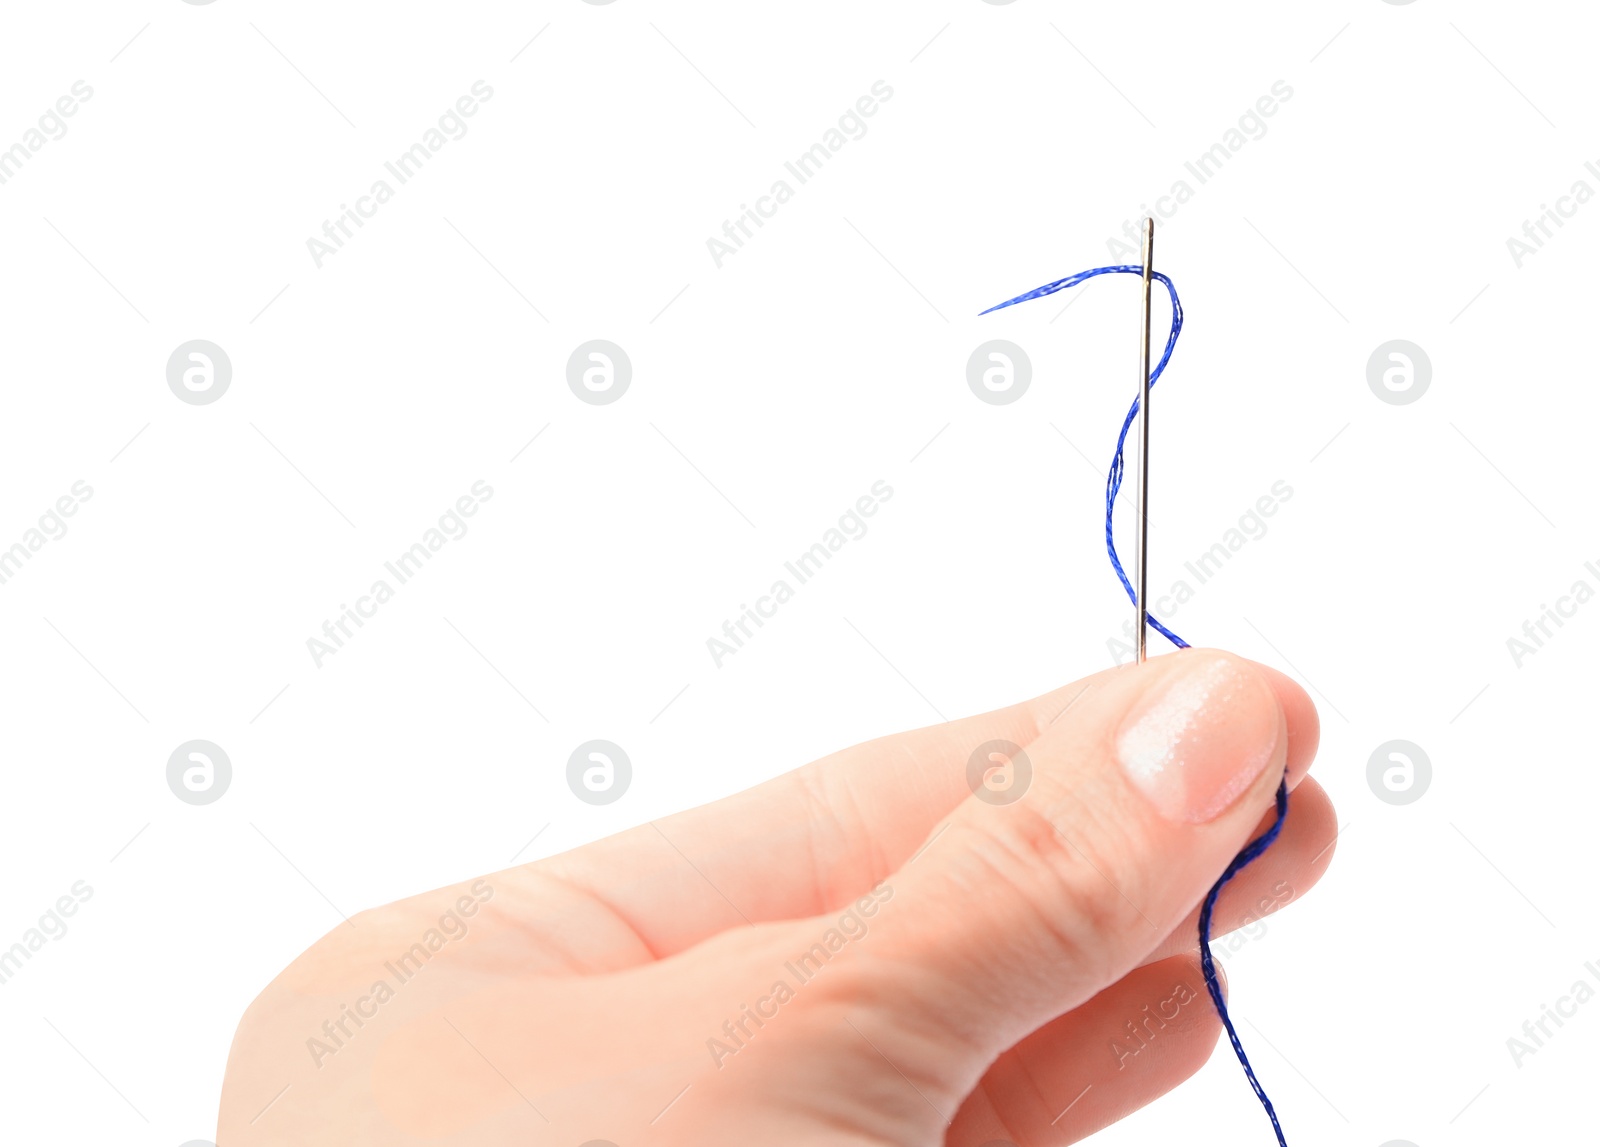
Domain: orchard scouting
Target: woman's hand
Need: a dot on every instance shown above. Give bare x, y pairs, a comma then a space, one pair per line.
913, 941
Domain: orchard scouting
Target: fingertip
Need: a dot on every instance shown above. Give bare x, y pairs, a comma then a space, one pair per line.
1300, 716
1205, 729
1319, 824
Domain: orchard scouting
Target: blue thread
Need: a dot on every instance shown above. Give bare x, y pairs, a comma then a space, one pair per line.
1256, 847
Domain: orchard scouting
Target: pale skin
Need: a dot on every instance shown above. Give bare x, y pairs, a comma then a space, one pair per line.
1023, 972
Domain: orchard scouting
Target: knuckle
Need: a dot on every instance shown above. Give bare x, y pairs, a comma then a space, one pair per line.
1064, 886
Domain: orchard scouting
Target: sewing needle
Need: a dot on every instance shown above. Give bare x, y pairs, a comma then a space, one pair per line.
1141, 604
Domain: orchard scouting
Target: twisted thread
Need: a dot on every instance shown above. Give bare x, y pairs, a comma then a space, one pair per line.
1255, 848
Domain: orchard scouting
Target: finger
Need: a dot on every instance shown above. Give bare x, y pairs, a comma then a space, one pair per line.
1026, 910
1276, 879
815, 839
1305, 729
1131, 1044
1155, 1027
1144, 1035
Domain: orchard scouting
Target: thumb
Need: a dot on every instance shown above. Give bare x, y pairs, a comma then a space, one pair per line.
1117, 819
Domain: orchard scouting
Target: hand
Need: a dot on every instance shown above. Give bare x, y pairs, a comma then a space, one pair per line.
862, 951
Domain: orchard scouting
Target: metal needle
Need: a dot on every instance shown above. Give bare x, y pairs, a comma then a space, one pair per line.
1142, 489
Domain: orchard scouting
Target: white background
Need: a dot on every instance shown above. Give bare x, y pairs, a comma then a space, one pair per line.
767, 395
